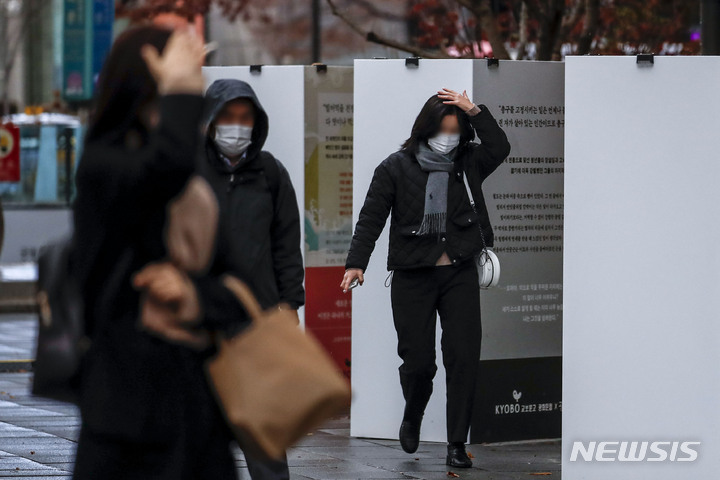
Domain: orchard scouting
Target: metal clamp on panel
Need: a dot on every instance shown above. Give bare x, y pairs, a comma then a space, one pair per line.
412, 62
493, 62
256, 68
646, 59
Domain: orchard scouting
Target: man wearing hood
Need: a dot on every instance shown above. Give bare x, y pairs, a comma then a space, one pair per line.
259, 231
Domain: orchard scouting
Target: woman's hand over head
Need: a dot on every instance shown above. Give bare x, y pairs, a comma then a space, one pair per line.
179, 68
460, 100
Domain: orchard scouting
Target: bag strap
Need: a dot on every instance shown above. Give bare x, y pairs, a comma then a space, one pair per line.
245, 295
469, 192
472, 204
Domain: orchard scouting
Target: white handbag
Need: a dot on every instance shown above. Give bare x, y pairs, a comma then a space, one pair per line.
487, 262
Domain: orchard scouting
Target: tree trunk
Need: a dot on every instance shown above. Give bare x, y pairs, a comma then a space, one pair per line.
592, 18
4, 93
4, 39
2, 226
487, 21
569, 21
522, 25
550, 26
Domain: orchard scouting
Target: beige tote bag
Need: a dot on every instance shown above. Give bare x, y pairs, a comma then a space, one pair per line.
274, 382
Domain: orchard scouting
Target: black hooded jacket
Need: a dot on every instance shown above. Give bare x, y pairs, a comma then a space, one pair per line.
398, 190
259, 235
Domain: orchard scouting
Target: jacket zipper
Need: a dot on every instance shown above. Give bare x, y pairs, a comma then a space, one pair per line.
232, 179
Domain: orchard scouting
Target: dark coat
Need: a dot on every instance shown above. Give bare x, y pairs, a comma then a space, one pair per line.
136, 387
259, 236
398, 189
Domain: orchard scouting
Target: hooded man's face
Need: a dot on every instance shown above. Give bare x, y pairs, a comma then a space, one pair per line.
240, 111
233, 128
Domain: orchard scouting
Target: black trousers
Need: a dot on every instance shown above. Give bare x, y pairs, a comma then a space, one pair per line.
207, 457
199, 456
268, 469
453, 293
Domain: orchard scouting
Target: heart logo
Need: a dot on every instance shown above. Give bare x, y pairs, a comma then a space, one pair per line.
517, 395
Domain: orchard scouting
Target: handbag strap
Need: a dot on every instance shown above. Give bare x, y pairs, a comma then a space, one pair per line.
469, 192
472, 204
245, 295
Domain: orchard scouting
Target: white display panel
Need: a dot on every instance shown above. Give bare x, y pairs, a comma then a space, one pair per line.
281, 91
28, 230
641, 265
388, 97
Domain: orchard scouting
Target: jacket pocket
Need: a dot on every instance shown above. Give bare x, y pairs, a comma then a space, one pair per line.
470, 219
409, 230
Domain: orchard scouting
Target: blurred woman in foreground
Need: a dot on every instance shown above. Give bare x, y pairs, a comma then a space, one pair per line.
146, 408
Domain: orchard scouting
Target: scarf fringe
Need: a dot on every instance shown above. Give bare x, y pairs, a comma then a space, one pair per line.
433, 223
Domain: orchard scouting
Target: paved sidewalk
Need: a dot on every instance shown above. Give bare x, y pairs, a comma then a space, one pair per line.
38, 439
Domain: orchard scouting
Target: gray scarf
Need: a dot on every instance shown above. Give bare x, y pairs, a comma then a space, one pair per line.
436, 189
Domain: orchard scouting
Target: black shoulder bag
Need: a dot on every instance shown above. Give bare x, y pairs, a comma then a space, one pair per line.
61, 339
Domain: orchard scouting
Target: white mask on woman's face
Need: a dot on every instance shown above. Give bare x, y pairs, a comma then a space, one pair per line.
233, 140
443, 143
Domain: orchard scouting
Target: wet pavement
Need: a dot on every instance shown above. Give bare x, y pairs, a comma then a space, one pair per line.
38, 438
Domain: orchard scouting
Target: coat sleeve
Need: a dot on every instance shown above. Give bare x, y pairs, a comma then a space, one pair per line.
494, 147
373, 216
286, 238
135, 181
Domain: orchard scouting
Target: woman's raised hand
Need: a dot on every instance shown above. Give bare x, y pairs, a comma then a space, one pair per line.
350, 275
179, 68
460, 100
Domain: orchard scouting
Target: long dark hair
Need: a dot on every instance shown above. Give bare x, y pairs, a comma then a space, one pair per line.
125, 85
427, 124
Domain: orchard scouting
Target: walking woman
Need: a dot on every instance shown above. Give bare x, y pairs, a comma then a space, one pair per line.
147, 412
434, 235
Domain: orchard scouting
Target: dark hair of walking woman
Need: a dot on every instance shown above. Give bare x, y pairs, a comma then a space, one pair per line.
126, 90
427, 124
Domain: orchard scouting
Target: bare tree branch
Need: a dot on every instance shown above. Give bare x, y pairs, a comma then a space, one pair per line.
373, 37
376, 12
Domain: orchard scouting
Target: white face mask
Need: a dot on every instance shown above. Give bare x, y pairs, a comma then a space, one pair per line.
443, 143
233, 140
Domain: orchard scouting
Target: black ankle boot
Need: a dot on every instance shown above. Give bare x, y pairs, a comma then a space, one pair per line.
457, 457
410, 436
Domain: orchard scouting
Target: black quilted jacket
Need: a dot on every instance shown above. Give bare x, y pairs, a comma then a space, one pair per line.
398, 189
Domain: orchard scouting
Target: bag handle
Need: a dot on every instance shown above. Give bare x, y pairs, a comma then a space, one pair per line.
245, 295
472, 204
469, 192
